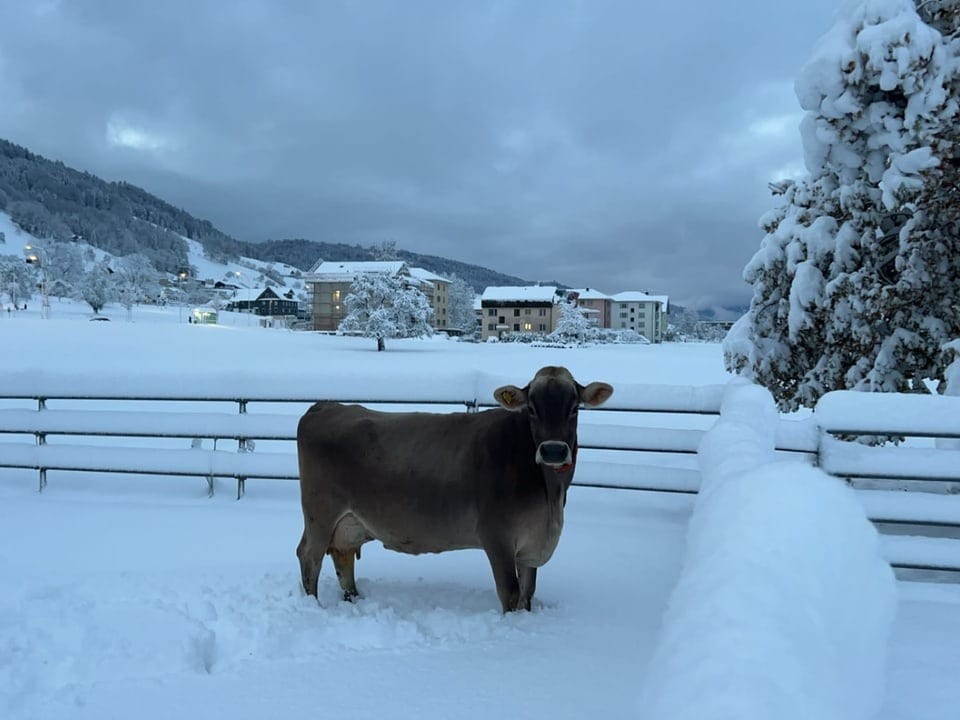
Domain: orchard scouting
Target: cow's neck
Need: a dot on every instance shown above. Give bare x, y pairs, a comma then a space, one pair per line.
556, 481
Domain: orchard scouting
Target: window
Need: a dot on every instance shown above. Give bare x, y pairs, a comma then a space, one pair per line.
502, 320
516, 327
516, 312
543, 312
623, 316
527, 326
336, 296
526, 311
633, 310
492, 312
491, 326
543, 327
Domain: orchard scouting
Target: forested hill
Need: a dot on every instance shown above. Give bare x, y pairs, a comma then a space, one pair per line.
50, 200
304, 253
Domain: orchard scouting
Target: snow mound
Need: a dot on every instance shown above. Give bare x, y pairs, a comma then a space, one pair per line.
784, 606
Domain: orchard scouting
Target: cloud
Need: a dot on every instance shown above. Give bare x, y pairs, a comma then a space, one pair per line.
619, 145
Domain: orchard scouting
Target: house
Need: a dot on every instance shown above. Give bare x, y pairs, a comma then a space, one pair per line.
639, 311
328, 283
264, 302
437, 290
506, 310
596, 306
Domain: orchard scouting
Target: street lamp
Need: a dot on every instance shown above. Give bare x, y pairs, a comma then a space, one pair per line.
35, 255
181, 276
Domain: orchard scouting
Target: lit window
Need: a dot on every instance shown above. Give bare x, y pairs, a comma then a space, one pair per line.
528, 326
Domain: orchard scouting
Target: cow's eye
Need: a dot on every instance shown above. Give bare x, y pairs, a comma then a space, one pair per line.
574, 411
532, 410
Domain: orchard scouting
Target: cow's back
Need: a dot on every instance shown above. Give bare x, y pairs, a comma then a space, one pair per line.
418, 482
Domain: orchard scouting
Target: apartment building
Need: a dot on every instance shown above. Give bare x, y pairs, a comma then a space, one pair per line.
328, 283
437, 290
596, 305
506, 310
639, 311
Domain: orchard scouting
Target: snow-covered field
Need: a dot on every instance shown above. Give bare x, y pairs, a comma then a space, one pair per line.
125, 596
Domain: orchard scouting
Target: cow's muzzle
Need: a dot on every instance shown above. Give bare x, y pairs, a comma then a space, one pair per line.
554, 453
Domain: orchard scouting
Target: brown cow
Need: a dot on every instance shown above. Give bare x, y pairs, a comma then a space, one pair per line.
425, 482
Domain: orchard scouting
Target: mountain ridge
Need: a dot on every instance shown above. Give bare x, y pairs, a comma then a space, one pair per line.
50, 199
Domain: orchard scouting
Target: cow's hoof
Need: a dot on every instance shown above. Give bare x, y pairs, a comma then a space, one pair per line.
350, 596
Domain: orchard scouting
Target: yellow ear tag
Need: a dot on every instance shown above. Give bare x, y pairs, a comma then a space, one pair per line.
508, 397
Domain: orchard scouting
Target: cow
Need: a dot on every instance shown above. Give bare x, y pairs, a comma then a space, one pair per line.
428, 482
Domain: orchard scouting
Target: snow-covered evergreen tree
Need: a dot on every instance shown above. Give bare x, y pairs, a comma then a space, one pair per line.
97, 287
460, 300
857, 282
382, 306
572, 325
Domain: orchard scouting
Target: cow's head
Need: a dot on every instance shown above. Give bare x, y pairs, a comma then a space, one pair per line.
551, 401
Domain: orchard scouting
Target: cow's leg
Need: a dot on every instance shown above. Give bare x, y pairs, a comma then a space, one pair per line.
313, 546
343, 562
503, 562
528, 585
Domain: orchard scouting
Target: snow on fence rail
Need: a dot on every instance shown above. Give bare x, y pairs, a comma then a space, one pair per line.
784, 604
645, 438
67, 408
923, 527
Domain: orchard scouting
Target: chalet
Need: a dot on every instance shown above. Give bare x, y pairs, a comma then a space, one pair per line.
264, 302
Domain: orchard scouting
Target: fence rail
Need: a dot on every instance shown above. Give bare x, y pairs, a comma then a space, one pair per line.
647, 440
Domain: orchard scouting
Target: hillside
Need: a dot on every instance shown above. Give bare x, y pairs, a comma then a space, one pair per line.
48, 199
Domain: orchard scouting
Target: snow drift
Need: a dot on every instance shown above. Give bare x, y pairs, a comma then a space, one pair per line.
784, 605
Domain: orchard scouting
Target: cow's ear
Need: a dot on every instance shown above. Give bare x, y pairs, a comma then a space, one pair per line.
596, 393
511, 397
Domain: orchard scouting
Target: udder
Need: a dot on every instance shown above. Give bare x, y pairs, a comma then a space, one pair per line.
349, 534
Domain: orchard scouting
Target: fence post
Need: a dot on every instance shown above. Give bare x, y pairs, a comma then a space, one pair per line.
42, 440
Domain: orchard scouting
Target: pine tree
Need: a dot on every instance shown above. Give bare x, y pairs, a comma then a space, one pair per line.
382, 306
857, 281
572, 325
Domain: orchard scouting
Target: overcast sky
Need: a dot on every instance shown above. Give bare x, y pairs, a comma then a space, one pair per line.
615, 145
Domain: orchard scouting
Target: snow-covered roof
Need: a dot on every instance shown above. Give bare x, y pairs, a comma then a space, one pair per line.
640, 297
532, 293
334, 271
246, 295
590, 294
424, 274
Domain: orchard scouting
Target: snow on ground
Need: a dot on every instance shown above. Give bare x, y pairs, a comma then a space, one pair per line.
244, 273
136, 595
